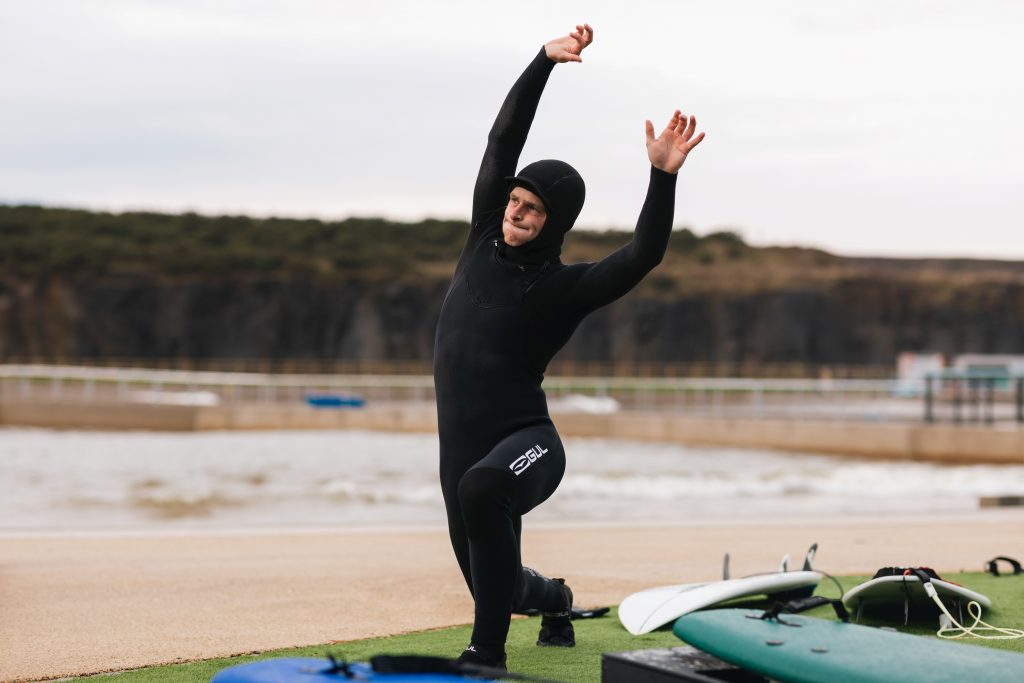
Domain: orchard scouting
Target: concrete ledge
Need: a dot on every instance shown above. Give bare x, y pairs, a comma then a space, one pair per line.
395, 417
893, 441
115, 416
954, 444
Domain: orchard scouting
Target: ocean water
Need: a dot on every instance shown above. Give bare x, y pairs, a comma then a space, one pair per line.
77, 481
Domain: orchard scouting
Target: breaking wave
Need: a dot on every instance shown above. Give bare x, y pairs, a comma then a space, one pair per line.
83, 480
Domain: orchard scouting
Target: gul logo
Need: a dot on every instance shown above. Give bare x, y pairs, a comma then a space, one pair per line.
520, 464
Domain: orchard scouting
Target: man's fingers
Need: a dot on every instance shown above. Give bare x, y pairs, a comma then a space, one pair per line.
649, 128
691, 126
584, 34
680, 127
673, 123
690, 144
686, 126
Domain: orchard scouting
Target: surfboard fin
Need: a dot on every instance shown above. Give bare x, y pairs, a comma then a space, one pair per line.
809, 558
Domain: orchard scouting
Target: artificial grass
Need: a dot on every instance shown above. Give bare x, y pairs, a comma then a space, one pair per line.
582, 664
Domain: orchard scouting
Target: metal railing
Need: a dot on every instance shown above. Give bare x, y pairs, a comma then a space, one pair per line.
970, 396
71, 383
855, 399
558, 367
949, 396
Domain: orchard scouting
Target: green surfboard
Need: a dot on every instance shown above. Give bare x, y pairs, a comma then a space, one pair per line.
815, 650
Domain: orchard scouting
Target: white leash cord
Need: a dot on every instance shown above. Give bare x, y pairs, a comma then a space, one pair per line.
953, 630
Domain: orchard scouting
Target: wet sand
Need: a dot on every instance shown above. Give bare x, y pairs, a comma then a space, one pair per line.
88, 603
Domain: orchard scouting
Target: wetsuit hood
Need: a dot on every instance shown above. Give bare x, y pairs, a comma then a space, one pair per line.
562, 190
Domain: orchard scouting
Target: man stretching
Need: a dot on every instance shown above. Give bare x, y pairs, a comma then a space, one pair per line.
511, 306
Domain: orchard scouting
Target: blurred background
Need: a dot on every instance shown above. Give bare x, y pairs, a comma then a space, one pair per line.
226, 229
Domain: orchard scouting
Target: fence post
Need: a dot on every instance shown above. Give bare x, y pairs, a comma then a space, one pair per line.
974, 398
990, 402
929, 398
1020, 400
957, 401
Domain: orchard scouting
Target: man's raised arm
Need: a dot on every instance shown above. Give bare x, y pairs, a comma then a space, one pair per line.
621, 270
508, 134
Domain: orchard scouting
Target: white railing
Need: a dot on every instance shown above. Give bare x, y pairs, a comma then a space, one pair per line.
793, 398
855, 399
71, 383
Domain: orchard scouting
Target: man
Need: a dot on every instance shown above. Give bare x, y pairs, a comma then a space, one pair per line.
511, 306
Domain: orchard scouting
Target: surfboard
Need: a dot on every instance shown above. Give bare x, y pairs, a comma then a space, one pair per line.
652, 608
310, 670
901, 590
649, 609
810, 650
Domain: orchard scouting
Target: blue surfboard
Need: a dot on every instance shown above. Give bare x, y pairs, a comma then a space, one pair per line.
310, 670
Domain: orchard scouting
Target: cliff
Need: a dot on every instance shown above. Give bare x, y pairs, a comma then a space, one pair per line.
79, 285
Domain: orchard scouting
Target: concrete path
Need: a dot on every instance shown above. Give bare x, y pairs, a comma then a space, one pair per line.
73, 605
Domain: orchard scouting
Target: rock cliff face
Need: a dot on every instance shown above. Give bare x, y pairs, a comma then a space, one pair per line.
251, 318
853, 319
87, 285
850, 322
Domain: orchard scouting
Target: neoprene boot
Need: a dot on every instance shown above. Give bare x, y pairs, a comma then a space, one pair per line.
484, 656
556, 627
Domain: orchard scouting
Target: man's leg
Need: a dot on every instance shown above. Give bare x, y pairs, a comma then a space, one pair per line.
450, 478
517, 475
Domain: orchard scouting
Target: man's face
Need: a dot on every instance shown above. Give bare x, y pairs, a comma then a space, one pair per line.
524, 217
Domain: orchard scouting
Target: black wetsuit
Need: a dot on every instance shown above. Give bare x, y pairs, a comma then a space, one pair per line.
507, 312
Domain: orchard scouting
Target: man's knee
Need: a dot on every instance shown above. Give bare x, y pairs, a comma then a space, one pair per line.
485, 496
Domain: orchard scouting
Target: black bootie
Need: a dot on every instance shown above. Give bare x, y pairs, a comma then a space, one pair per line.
484, 656
556, 627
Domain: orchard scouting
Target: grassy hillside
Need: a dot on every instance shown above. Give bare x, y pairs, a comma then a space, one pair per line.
37, 241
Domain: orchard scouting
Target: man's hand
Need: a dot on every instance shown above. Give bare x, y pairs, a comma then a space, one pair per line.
568, 48
668, 151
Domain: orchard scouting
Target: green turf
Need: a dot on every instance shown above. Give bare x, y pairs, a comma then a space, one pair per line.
593, 637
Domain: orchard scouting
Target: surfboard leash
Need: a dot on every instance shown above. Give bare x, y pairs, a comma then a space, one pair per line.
409, 664
802, 605
422, 664
992, 566
950, 628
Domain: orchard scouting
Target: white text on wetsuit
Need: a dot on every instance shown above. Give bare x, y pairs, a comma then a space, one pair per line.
520, 464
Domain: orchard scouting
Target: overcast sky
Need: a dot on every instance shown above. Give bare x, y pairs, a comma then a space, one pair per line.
863, 127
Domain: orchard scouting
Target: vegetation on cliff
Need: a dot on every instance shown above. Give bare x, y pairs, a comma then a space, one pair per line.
80, 284
37, 241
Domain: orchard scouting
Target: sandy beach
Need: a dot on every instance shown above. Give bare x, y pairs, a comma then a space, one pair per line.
94, 602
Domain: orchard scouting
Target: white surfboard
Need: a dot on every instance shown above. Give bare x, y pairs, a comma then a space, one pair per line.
649, 609
900, 590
